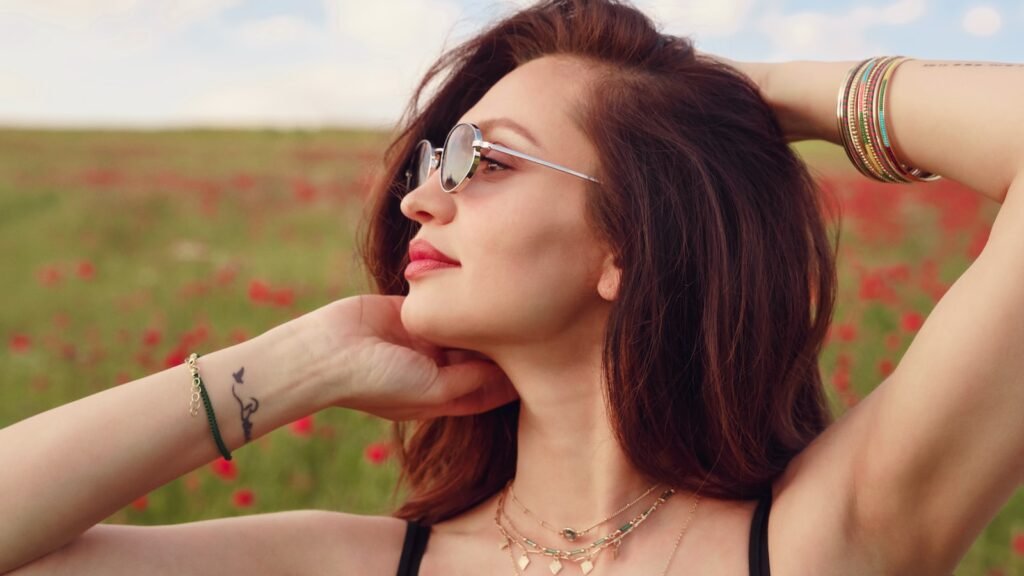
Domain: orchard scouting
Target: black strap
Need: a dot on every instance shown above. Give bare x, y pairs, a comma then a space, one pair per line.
759, 537
416, 536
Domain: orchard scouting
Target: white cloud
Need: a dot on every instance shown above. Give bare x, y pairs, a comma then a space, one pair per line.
820, 36
699, 17
68, 14
275, 31
325, 93
982, 21
406, 28
80, 26
902, 12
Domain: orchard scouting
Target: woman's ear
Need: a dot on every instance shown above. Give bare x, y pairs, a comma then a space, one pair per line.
608, 285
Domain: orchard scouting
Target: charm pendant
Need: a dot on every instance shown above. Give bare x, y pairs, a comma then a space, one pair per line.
570, 534
524, 561
586, 566
555, 566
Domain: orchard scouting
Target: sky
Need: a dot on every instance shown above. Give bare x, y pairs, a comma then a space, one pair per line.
319, 63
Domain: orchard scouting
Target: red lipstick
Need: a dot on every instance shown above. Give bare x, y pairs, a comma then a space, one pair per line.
423, 258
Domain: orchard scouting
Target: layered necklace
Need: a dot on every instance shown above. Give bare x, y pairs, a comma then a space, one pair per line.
586, 556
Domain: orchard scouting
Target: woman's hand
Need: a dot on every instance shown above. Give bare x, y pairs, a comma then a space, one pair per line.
758, 72
359, 348
761, 74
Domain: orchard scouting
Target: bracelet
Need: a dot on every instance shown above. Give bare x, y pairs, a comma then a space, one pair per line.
864, 126
199, 390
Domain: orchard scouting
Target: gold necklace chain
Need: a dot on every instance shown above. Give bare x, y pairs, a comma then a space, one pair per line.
568, 533
696, 499
585, 556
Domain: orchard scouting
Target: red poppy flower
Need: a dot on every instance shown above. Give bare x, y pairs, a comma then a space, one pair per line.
19, 343
85, 270
141, 502
151, 337
847, 332
885, 367
225, 469
259, 291
874, 287
1018, 544
377, 452
302, 427
243, 498
303, 191
284, 297
243, 181
841, 380
175, 357
49, 275
912, 321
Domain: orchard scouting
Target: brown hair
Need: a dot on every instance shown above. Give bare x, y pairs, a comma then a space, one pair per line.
728, 278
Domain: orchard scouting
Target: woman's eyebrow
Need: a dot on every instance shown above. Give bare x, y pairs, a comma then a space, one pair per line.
502, 122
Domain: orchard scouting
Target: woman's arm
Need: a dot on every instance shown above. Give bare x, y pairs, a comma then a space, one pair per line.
942, 447
963, 120
71, 467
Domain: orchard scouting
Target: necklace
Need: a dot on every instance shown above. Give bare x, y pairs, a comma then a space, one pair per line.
672, 555
585, 556
568, 533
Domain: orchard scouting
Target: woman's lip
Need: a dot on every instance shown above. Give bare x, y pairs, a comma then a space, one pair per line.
422, 266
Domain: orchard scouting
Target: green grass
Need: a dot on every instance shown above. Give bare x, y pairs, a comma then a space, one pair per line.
177, 225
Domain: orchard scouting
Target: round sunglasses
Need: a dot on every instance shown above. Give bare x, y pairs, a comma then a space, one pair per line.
459, 158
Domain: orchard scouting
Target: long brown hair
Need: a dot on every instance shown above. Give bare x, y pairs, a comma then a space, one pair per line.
728, 277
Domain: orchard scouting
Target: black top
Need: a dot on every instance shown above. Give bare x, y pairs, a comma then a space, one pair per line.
416, 536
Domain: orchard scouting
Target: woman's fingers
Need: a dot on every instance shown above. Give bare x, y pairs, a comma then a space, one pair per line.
473, 387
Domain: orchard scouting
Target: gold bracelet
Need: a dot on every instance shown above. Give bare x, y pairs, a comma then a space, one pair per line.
196, 394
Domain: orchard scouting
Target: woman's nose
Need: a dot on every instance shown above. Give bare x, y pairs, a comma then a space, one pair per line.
428, 201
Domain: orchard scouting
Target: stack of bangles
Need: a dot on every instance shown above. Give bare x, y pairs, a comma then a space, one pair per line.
199, 391
861, 113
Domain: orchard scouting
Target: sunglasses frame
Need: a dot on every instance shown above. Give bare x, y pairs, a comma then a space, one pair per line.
479, 145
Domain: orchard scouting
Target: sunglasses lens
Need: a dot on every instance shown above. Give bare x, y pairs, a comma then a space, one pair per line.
457, 159
420, 165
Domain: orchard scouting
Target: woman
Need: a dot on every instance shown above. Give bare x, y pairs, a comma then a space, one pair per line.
621, 351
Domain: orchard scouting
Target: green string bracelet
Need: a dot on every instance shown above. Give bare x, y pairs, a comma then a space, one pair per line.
197, 382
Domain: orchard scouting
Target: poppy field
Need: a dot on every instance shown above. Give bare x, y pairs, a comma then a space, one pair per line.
124, 251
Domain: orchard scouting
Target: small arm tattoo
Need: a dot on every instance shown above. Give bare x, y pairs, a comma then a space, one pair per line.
246, 408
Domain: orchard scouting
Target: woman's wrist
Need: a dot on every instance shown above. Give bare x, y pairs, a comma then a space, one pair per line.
803, 96
286, 356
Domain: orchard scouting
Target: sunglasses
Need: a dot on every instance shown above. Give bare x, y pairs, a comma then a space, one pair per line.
459, 158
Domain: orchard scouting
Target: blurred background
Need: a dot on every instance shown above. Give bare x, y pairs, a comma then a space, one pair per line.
184, 175
345, 63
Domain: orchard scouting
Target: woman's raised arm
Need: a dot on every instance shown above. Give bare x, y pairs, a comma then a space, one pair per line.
69, 468
962, 120
943, 449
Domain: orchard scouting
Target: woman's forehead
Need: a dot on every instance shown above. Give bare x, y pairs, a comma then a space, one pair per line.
535, 101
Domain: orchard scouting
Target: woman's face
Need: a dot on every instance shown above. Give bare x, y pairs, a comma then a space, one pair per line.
529, 265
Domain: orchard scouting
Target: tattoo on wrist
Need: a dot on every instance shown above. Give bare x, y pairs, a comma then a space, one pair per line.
246, 408
972, 64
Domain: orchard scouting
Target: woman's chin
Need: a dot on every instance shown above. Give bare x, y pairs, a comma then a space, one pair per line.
430, 323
